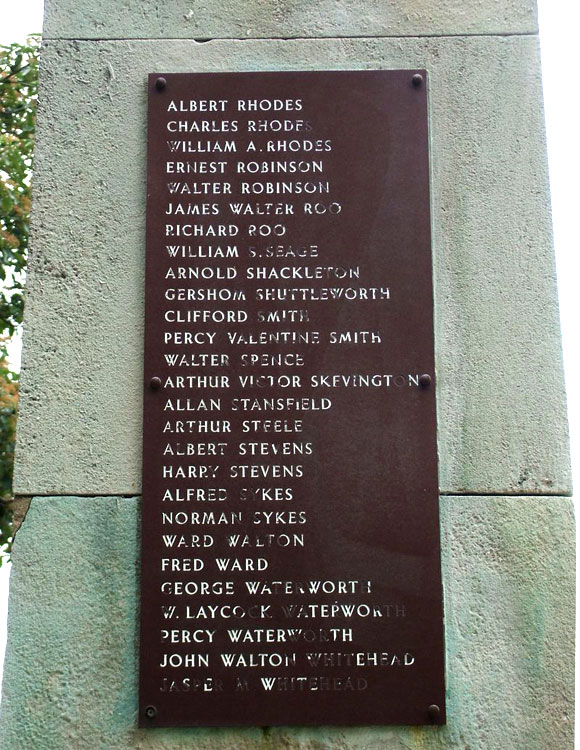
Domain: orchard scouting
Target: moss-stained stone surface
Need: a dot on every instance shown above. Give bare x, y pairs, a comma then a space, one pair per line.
70, 677
242, 19
501, 404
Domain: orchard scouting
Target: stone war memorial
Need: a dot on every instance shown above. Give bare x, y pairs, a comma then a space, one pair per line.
292, 457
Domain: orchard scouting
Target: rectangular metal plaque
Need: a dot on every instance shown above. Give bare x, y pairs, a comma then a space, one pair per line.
290, 567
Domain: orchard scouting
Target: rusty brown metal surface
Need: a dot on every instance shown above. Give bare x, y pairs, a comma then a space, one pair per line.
290, 568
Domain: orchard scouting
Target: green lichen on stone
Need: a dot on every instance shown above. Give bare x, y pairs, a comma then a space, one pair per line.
70, 679
500, 389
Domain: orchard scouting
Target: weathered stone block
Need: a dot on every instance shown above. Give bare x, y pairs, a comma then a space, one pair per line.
501, 402
71, 666
244, 19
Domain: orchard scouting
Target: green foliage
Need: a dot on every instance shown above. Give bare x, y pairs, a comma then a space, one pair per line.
18, 94
8, 412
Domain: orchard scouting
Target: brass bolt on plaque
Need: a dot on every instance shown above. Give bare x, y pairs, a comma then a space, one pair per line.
160, 84
417, 80
425, 381
434, 712
151, 712
155, 384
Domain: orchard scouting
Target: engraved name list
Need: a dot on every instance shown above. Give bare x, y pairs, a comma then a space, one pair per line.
290, 541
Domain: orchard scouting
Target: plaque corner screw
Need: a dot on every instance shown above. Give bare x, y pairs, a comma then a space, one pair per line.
150, 712
425, 380
155, 383
160, 84
434, 712
417, 80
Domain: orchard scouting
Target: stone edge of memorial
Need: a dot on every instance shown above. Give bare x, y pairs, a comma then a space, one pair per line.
501, 401
236, 19
508, 564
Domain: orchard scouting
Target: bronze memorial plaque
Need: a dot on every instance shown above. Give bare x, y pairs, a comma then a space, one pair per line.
290, 567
